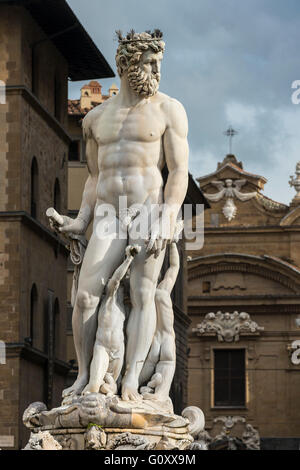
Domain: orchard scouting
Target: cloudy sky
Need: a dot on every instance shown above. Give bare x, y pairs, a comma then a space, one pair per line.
228, 62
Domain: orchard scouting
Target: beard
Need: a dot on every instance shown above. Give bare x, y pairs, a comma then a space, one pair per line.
142, 83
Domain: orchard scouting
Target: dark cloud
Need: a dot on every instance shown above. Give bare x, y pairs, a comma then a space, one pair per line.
227, 61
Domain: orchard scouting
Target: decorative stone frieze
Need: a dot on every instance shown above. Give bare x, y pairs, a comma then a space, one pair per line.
235, 434
227, 326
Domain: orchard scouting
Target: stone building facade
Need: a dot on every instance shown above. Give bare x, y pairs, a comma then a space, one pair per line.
35, 63
244, 305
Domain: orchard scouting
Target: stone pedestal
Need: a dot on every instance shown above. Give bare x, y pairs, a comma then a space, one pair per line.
95, 422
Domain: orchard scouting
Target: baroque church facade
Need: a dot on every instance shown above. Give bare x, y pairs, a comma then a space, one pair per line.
244, 305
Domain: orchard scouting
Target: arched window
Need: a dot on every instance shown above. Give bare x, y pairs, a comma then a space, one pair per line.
56, 343
34, 188
57, 197
33, 315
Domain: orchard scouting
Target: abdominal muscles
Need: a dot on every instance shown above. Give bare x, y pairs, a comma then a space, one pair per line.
136, 175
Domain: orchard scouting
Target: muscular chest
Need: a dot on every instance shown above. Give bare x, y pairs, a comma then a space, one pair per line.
144, 124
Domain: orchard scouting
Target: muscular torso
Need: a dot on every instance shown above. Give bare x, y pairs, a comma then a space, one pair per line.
130, 151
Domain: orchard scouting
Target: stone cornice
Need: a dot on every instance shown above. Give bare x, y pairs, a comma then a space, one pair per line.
204, 180
248, 268
268, 267
252, 229
214, 298
289, 218
267, 204
40, 109
35, 355
36, 226
282, 336
200, 307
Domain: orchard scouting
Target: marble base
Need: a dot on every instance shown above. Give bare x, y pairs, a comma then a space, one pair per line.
107, 439
95, 422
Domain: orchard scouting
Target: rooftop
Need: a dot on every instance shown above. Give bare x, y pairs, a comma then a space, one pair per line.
74, 107
63, 28
230, 161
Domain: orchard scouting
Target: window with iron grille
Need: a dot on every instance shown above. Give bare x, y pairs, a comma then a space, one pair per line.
229, 377
74, 150
77, 151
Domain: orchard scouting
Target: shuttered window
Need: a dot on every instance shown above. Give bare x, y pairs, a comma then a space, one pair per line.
229, 377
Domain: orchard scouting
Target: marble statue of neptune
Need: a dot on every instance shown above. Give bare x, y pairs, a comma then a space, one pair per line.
130, 138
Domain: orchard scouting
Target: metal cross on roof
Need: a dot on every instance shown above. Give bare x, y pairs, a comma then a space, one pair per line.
230, 133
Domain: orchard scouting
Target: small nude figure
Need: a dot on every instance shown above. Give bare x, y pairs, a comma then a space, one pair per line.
162, 356
109, 347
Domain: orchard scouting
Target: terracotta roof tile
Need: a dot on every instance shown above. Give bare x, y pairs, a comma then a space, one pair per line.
93, 83
74, 108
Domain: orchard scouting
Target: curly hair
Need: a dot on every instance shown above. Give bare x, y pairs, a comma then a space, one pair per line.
132, 50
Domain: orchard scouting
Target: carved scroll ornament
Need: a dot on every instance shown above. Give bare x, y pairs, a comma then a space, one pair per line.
227, 326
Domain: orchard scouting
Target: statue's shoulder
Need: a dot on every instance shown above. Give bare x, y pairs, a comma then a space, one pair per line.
166, 98
170, 104
91, 117
173, 110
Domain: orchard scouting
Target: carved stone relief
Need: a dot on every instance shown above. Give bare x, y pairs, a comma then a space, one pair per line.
246, 437
227, 326
229, 190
